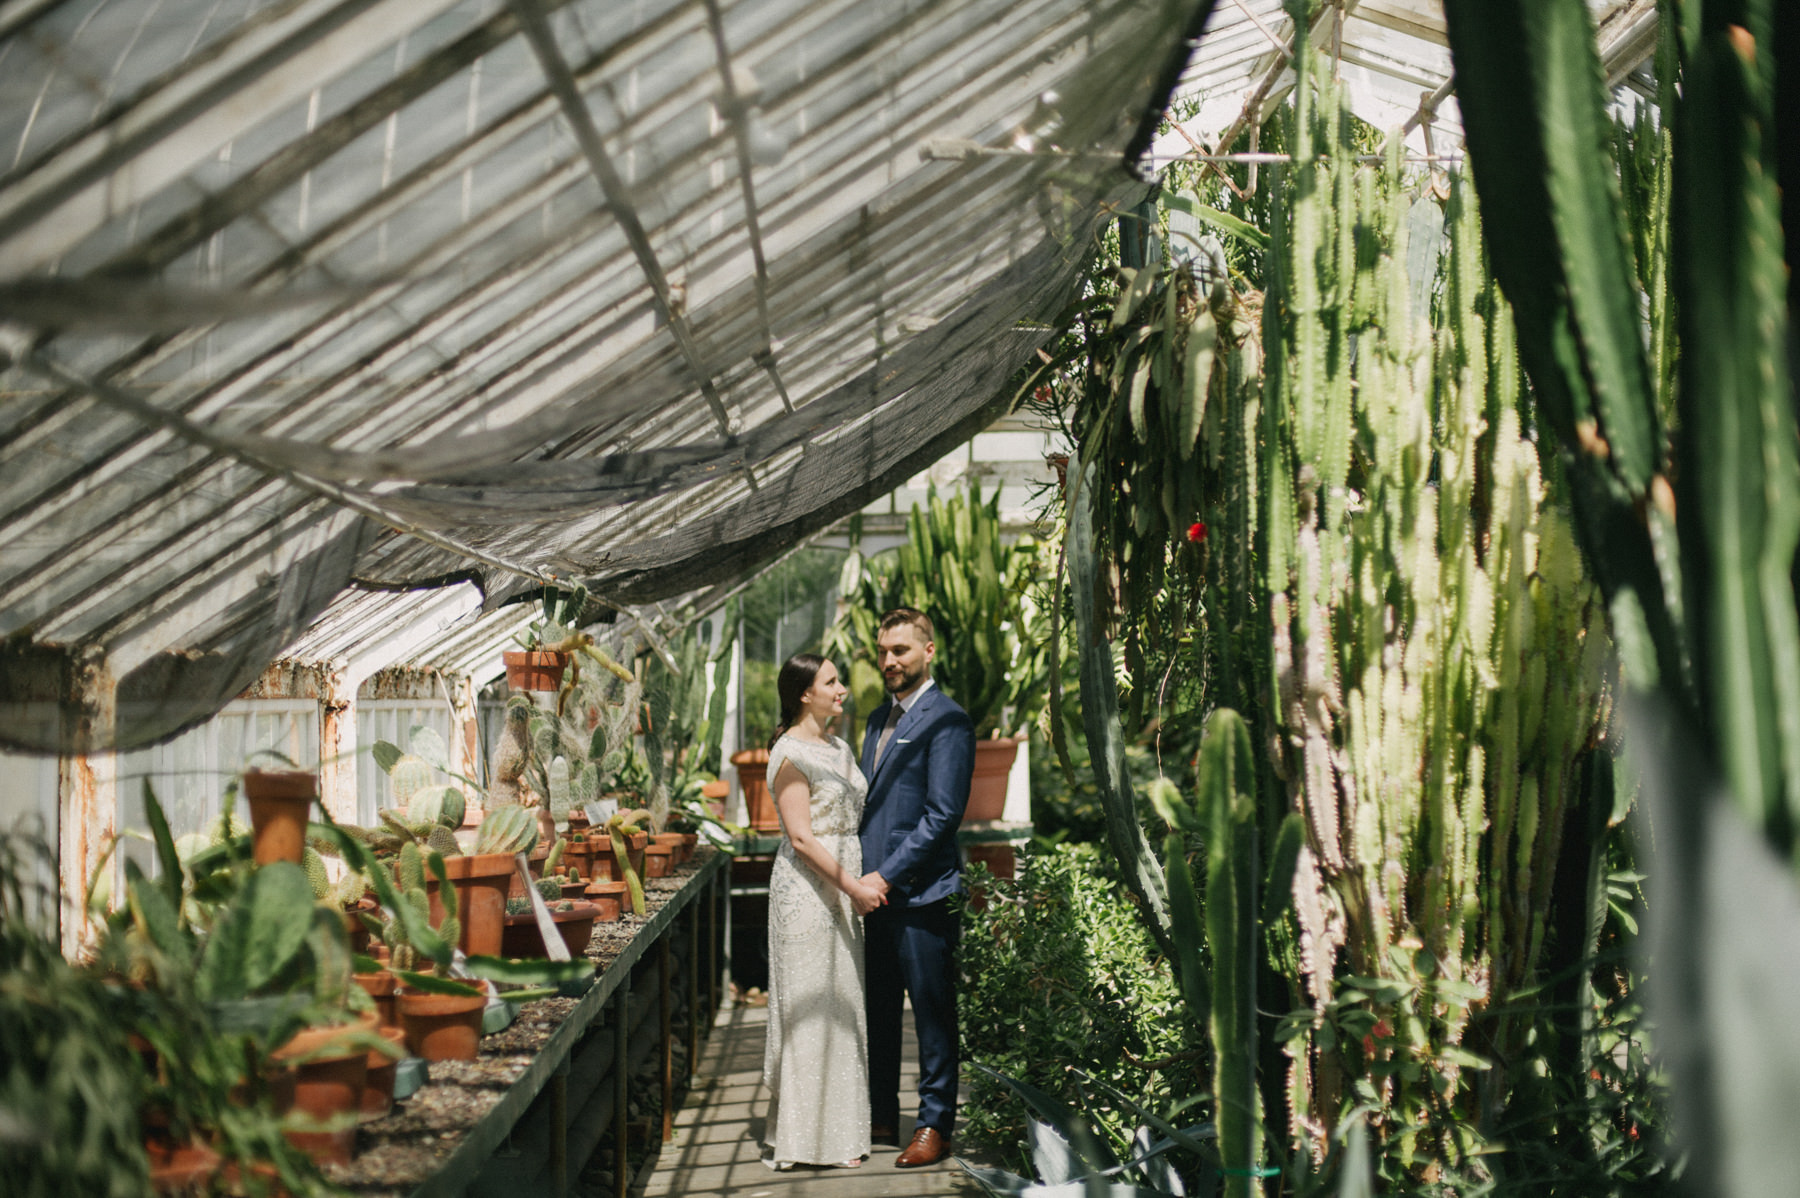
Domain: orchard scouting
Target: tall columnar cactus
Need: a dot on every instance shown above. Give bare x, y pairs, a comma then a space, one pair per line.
1691, 525
1226, 781
1384, 584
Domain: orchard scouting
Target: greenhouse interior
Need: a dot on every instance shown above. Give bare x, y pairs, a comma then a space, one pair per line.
1303, 495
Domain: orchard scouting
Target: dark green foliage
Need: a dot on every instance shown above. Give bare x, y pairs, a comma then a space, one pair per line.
1058, 972
70, 1085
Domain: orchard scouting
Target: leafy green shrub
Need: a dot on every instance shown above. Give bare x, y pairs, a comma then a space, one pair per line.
1058, 972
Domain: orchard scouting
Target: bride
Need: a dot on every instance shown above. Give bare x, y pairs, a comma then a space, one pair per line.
816, 1063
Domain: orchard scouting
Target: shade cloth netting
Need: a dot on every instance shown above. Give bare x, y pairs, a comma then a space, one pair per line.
304, 298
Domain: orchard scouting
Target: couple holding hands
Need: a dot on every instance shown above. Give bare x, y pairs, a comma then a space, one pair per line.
860, 910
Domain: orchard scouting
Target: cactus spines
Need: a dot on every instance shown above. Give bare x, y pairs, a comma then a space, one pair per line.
450, 930
550, 888
556, 855
409, 776
507, 829
561, 791
314, 865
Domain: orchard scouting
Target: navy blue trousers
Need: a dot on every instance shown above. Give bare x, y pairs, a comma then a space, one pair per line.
912, 951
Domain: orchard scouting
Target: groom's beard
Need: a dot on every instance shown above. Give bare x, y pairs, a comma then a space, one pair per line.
899, 681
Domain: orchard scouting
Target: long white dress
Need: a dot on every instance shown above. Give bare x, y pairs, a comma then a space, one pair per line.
816, 1062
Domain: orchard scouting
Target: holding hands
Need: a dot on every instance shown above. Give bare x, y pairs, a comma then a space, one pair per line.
868, 892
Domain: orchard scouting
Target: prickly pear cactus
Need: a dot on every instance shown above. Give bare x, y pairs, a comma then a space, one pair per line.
409, 776
441, 840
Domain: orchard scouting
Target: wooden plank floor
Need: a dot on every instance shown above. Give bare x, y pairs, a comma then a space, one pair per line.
717, 1144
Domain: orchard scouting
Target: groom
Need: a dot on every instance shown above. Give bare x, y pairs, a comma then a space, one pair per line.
918, 754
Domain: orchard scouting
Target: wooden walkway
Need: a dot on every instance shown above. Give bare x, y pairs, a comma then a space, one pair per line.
716, 1149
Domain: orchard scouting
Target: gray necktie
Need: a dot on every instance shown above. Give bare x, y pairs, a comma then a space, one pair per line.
887, 731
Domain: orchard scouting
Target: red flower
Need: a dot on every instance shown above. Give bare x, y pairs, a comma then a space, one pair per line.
1197, 531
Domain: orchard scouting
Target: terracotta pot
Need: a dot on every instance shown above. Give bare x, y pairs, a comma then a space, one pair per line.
753, 768
378, 1089
715, 794
574, 890
605, 867
355, 928
534, 669
659, 860
534, 864
579, 854
280, 801
328, 1086
575, 924
578, 820
987, 789
382, 987
176, 1166
609, 898
690, 844
441, 1027
481, 884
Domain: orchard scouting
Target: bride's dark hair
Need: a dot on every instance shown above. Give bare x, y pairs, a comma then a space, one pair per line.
796, 678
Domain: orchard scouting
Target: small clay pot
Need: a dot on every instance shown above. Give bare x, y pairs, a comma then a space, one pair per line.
715, 794
177, 1165
481, 883
442, 1027
574, 891
690, 844
609, 898
606, 867
534, 669
659, 860
328, 1086
383, 987
355, 928
524, 940
280, 801
378, 1089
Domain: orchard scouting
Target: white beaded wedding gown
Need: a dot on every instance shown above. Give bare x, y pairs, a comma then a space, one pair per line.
816, 1062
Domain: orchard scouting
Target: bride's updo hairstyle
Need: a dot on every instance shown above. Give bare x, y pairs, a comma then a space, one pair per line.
796, 678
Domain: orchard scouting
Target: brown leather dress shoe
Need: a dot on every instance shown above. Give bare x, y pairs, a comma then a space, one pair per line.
928, 1147
884, 1133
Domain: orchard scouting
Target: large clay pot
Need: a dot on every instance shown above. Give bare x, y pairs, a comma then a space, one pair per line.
715, 794
524, 940
442, 1027
690, 843
378, 1088
382, 987
481, 884
328, 1086
280, 801
534, 669
609, 899
987, 789
753, 769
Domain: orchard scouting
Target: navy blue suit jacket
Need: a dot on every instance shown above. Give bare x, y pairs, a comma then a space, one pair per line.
916, 798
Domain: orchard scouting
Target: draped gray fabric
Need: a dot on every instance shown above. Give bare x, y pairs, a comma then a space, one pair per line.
301, 299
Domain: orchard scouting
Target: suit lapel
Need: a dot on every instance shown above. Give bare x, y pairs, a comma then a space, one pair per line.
910, 722
872, 734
